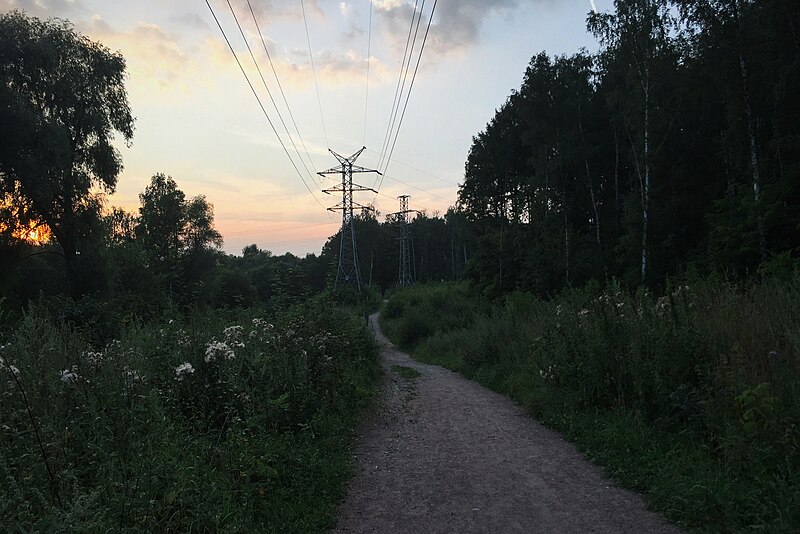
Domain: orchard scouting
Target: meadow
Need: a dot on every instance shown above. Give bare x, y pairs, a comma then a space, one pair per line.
691, 396
214, 421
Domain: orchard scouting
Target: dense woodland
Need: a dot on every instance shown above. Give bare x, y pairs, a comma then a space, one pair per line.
675, 147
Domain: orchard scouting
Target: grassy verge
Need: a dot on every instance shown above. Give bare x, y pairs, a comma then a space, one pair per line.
222, 422
692, 398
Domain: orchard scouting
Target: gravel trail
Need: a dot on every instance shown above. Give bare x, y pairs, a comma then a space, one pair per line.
443, 454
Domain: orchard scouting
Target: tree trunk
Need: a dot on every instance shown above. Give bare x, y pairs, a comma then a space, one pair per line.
589, 181
616, 182
754, 160
751, 133
566, 245
646, 185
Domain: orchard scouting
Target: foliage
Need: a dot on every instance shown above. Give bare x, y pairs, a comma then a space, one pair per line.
692, 397
675, 146
62, 98
233, 422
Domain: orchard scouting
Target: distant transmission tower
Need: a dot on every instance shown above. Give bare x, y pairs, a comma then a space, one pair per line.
404, 278
347, 272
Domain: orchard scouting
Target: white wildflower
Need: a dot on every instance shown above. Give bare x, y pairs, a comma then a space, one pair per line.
234, 335
218, 349
583, 313
183, 370
7, 366
662, 306
94, 359
183, 338
69, 376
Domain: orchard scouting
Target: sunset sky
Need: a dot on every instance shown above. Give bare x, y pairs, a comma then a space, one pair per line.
198, 121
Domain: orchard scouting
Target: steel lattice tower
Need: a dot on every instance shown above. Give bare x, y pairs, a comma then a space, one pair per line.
347, 273
405, 277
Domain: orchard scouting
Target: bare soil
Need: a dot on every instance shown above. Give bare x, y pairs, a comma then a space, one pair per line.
443, 454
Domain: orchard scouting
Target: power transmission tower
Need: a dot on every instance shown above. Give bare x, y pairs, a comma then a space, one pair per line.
347, 273
405, 277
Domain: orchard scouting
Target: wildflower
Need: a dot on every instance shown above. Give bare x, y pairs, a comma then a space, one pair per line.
69, 376
171, 321
218, 349
233, 335
233, 331
183, 370
662, 305
183, 338
583, 313
773, 355
8, 366
94, 359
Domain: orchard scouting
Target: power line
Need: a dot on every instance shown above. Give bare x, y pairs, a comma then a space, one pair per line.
369, 57
314, 71
278, 81
408, 96
415, 187
396, 97
423, 171
403, 86
269, 93
260, 104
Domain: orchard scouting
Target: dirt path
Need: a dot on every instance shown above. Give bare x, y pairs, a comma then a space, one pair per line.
443, 454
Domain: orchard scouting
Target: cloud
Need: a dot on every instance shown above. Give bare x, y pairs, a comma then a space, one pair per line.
152, 53
456, 25
44, 8
191, 21
271, 10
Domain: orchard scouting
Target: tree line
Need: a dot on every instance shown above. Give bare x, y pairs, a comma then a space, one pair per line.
672, 148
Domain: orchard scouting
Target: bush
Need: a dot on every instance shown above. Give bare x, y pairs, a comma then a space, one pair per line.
693, 396
214, 423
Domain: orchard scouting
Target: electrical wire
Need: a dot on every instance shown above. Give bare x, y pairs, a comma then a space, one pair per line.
408, 96
417, 188
369, 58
269, 93
396, 97
260, 104
403, 86
314, 71
423, 171
278, 81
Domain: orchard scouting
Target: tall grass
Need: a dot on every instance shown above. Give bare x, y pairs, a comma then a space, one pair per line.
693, 396
213, 423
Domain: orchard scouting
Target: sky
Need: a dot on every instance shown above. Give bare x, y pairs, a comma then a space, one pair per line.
198, 121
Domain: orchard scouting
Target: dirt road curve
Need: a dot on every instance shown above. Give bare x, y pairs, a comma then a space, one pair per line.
443, 454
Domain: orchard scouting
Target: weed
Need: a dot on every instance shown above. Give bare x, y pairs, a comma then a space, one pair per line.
223, 421
407, 373
693, 397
